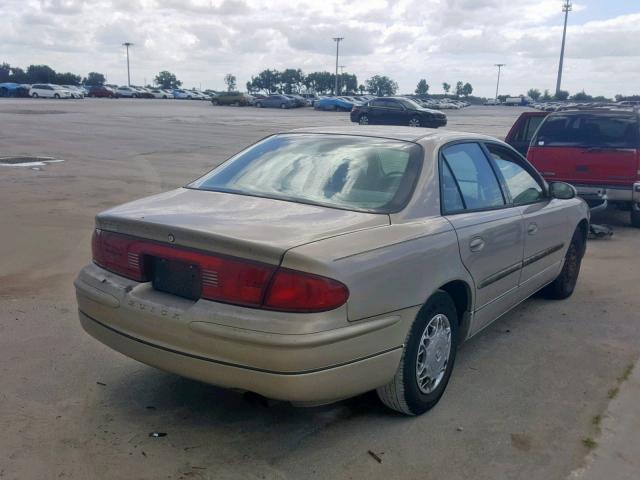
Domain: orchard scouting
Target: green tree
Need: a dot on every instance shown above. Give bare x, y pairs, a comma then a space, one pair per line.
320, 82
267, 81
422, 88
67, 79
561, 95
40, 74
381, 85
230, 81
459, 87
534, 94
348, 83
94, 79
546, 96
582, 97
362, 89
167, 79
5, 72
446, 87
291, 80
467, 89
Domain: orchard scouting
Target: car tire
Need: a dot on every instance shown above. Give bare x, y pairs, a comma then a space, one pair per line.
34, 95
214, 102
404, 393
415, 122
283, 105
363, 120
56, 96
258, 105
565, 283
634, 215
189, 97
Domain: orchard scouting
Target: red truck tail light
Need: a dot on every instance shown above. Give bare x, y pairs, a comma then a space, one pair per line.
222, 278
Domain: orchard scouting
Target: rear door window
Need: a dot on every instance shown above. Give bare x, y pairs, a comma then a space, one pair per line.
475, 178
590, 130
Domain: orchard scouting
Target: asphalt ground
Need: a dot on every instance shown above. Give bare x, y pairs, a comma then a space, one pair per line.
522, 398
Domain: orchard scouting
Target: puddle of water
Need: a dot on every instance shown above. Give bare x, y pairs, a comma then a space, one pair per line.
27, 161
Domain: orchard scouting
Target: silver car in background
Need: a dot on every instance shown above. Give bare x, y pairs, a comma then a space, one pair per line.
323, 263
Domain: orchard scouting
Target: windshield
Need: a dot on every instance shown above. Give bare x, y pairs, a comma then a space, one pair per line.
589, 130
349, 172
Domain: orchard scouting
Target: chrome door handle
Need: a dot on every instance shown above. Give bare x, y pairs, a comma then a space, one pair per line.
476, 244
532, 229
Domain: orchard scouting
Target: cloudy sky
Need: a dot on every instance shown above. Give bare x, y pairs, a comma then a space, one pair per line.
440, 40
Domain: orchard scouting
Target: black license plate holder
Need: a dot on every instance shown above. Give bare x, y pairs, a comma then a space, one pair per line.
176, 277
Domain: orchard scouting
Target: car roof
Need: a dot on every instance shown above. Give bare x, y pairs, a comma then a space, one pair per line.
407, 134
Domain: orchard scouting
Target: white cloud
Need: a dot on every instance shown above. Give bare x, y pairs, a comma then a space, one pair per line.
440, 40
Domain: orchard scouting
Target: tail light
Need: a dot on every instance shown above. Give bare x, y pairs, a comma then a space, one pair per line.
302, 292
223, 278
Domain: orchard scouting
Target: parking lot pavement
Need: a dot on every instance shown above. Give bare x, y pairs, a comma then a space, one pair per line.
522, 398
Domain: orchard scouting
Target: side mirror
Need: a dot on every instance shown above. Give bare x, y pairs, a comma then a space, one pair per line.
562, 190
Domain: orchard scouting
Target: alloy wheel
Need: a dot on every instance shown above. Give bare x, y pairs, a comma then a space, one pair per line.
414, 122
364, 120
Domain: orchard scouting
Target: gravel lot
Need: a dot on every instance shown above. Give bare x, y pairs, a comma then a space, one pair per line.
520, 402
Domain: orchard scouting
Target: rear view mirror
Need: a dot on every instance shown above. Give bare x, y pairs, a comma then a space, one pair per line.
562, 190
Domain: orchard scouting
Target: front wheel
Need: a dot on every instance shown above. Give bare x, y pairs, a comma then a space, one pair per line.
363, 120
427, 360
414, 122
34, 95
283, 105
56, 96
565, 283
258, 105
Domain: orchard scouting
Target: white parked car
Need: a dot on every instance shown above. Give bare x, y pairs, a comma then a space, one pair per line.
76, 92
127, 92
159, 93
48, 90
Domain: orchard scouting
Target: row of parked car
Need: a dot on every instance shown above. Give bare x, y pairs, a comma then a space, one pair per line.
49, 90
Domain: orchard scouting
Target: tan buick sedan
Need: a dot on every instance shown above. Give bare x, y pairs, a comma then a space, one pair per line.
322, 263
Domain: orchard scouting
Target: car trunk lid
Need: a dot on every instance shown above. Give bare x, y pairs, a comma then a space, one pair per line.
248, 227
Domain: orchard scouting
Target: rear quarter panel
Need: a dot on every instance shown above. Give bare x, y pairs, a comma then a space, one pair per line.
387, 268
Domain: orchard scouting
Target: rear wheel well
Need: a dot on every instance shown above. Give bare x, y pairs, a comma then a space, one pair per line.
460, 293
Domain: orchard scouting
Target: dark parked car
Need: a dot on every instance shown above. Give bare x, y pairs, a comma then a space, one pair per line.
232, 98
396, 111
276, 101
101, 91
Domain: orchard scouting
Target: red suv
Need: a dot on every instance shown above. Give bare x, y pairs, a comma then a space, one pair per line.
597, 150
101, 91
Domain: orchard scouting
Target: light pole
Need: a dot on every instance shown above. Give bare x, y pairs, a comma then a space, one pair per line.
127, 45
499, 65
566, 8
337, 40
341, 67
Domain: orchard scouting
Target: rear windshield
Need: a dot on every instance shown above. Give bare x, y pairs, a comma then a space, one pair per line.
589, 130
340, 171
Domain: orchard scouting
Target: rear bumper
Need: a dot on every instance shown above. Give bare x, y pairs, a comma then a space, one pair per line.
615, 193
321, 385
231, 346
